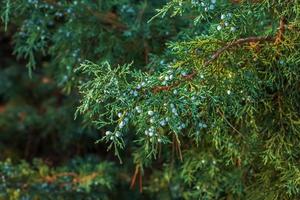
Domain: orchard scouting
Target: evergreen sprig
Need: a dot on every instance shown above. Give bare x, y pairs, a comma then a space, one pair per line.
230, 95
204, 98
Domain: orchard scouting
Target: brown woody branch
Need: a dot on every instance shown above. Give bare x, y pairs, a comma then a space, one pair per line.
281, 30
277, 39
109, 19
236, 43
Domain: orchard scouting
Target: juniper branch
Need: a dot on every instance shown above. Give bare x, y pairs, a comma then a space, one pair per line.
229, 45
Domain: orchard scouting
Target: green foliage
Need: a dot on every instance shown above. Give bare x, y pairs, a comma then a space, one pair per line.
71, 31
214, 114
52, 38
80, 179
227, 98
5, 15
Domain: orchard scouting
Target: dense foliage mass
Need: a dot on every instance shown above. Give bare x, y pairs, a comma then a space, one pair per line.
81, 179
214, 114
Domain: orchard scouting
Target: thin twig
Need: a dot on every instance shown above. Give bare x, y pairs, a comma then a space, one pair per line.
165, 88
178, 148
159, 150
134, 176
138, 171
146, 51
281, 30
173, 148
141, 181
223, 116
